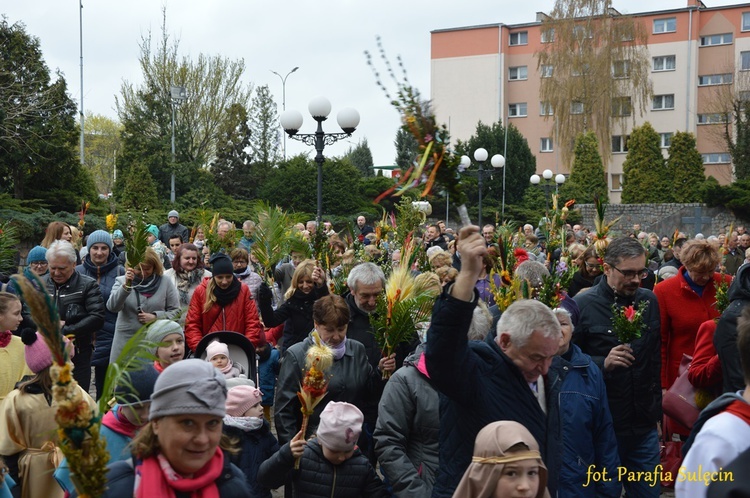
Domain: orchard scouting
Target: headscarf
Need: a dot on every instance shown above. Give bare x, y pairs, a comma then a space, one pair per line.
490, 457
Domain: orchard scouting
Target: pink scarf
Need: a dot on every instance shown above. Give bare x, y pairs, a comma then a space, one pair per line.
159, 480
119, 423
5, 338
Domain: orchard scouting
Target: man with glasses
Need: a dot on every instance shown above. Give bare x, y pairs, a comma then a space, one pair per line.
632, 372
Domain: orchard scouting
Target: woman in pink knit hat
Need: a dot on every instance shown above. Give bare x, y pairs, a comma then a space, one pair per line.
27, 425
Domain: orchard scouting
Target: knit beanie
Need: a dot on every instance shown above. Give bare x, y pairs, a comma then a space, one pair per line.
241, 398
173, 213
138, 388
153, 230
37, 254
221, 265
216, 347
160, 329
340, 426
117, 234
99, 237
37, 353
189, 387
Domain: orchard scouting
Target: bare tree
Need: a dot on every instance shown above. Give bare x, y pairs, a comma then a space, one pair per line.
595, 71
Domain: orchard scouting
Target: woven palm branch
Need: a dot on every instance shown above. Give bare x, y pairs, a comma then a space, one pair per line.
136, 243
601, 239
273, 236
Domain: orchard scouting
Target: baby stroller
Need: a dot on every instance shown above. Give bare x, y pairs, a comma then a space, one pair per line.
241, 351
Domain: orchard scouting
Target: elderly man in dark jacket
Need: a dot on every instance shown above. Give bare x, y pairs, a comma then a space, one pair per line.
173, 227
79, 303
725, 338
632, 372
499, 379
101, 264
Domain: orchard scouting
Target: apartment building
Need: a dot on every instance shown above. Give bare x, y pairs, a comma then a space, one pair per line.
490, 72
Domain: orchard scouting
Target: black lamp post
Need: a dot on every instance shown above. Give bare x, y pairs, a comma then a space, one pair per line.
319, 108
480, 156
547, 185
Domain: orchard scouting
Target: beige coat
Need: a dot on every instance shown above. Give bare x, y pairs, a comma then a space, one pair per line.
27, 426
12, 366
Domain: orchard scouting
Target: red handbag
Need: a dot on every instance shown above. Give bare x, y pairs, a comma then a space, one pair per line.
670, 459
679, 400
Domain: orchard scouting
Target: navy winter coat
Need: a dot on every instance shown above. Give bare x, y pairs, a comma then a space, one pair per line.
255, 448
105, 276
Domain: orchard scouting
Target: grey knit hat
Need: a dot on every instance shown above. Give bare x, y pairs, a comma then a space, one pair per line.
99, 237
173, 213
160, 329
189, 387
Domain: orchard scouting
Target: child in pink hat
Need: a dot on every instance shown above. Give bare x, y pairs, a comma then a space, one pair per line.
330, 457
217, 353
244, 424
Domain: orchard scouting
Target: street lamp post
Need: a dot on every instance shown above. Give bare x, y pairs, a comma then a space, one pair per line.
179, 95
319, 107
283, 96
547, 185
480, 156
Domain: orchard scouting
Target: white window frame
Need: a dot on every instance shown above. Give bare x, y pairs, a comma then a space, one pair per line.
619, 110
580, 31
715, 79
664, 59
517, 110
665, 25
521, 38
545, 109
574, 108
546, 70
716, 158
716, 40
612, 181
548, 35
661, 102
622, 141
745, 61
518, 73
546, 144
711, 118
746, 21
665, 139
621, 69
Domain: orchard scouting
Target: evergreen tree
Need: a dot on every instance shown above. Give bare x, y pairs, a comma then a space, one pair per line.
361, 157
685, 168
138, 189
587, 176
265, 129
231, 169
406, 149
737, 136
645, 176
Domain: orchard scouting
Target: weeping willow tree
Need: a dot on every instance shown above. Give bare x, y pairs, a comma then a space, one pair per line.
595, 71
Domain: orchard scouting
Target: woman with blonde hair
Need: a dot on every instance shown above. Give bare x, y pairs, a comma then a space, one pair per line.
296, 313
58, 230
139, 297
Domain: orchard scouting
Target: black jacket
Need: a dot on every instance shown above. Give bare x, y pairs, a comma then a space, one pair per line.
578, 283
167, 230
725, 338
80, 304
634, 393
319, 478
255, 448
295, 313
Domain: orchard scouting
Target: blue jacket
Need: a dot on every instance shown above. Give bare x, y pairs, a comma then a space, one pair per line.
479, 384
267, 372
105, 276
587, 436
255, 448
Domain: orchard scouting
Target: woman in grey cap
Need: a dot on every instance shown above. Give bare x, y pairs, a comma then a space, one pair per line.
178, 452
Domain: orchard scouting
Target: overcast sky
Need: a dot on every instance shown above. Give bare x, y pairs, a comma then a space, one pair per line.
325, 38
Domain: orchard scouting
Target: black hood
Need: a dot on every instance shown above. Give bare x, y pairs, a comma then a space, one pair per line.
740, 288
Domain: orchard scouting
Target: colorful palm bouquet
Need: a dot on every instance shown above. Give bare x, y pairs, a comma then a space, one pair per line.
722, 294
627, 321
314, 385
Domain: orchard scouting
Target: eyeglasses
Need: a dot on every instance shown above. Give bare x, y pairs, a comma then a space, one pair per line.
592, 266
630, 274
38, 263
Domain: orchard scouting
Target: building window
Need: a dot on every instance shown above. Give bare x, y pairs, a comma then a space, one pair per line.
580, 32
666, 140
715, 79
545, 109
621, 69
518, 73
576, 107
666, 25
712, 118
620, 144
580, 70
721, 39
665, 63
621, 106
746, 21
716, 158
744, 61
547, 70
546, 144
548, 35
517, 110
519, 38
616, 180
663, 102
744, 96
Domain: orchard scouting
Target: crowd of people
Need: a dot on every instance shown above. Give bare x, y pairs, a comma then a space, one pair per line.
489, 398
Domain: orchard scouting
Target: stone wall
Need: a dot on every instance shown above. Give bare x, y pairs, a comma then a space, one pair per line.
664, 218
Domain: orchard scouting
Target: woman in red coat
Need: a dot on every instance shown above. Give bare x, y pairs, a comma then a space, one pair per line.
221, 302
685, 302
